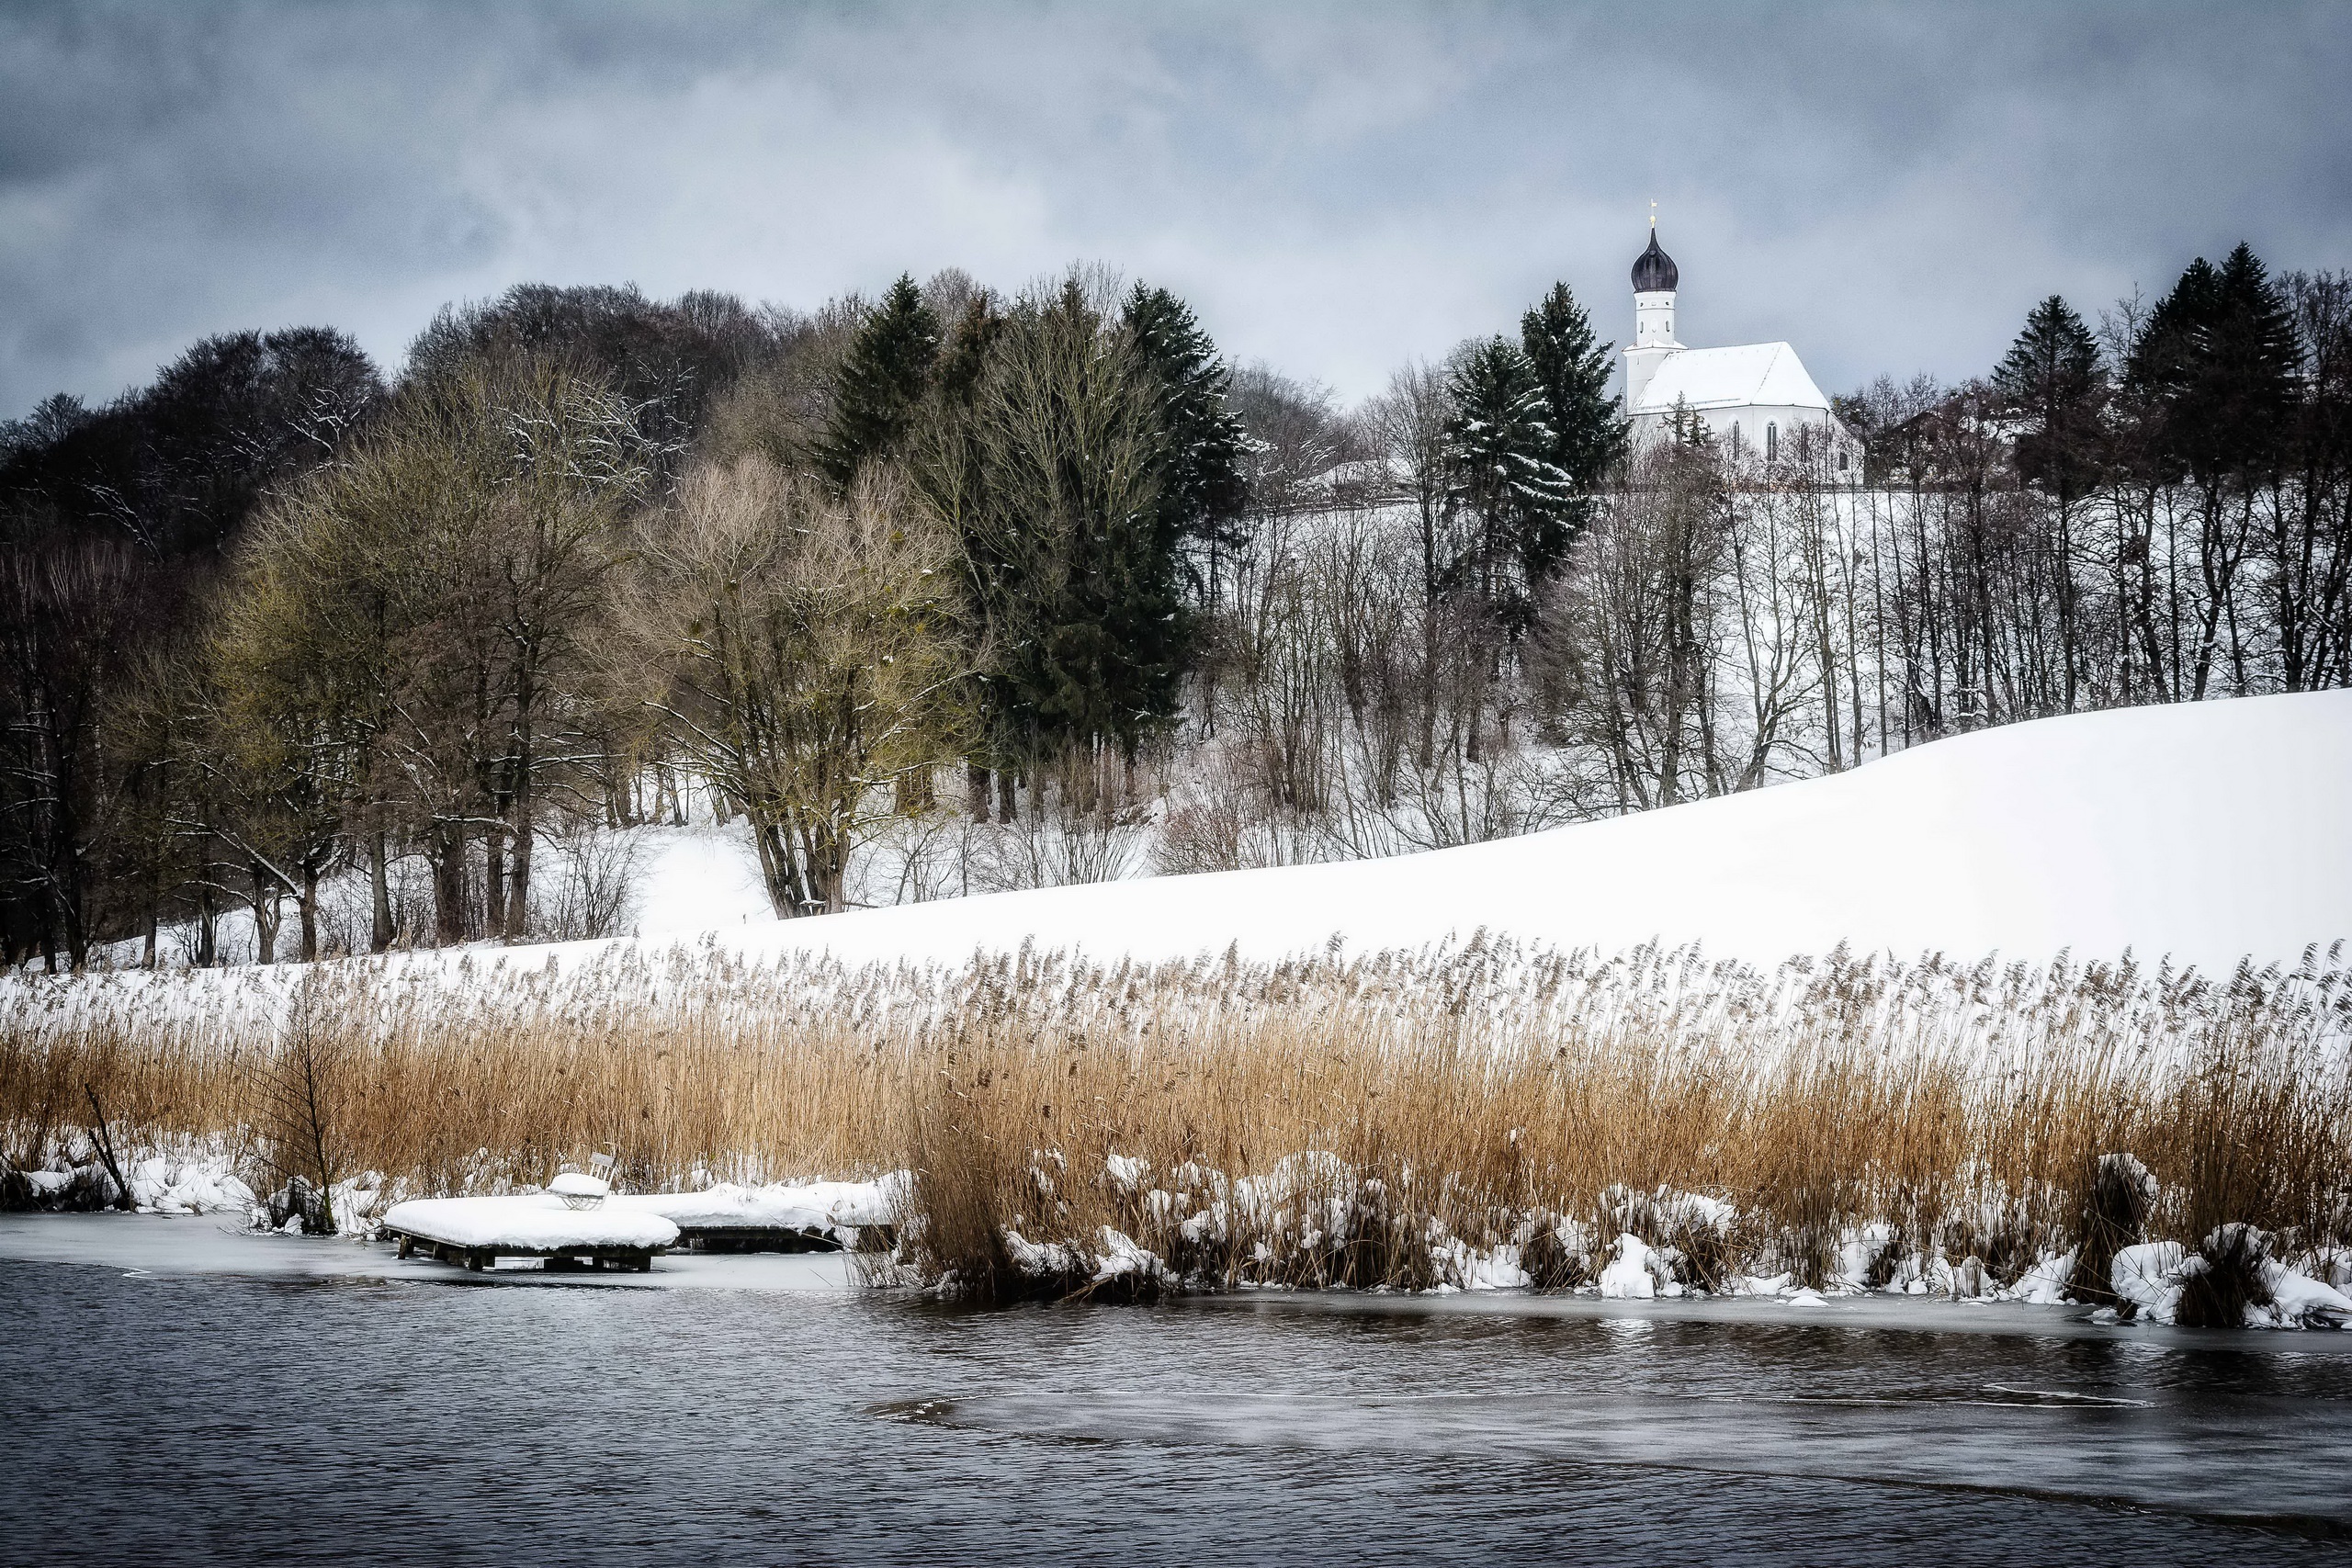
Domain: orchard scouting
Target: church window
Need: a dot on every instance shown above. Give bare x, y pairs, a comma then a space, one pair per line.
1771, 443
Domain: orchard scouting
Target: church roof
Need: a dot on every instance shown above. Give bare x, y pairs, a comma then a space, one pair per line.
1654, 270
1766, 373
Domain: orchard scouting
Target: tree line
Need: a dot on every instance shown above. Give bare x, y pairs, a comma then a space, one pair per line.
1000, 583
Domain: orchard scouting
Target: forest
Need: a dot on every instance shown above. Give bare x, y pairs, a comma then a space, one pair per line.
949, 590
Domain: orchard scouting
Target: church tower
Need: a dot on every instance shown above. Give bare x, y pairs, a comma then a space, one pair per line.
1653, 282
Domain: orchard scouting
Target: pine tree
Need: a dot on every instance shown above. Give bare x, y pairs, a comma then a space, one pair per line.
2219, 359
1072, 547
882, 382
966, 356
2219, 365
1573, 366
1499, 447
2050, 379
1202, 488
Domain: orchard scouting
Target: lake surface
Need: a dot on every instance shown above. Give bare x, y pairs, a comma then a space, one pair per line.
177, 1394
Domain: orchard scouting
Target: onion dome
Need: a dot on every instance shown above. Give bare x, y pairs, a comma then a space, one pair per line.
1654, 270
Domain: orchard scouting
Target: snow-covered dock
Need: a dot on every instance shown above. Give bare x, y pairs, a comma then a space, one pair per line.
779, 1217
477, 1232
577, 1222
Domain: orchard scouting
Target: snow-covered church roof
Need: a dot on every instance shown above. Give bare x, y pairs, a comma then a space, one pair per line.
1756, 373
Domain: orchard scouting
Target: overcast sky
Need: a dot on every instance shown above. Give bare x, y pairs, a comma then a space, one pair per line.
1335, 190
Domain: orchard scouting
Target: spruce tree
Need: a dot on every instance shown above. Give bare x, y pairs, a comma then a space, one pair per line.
1499, 447
2050, 380
1072, 547
1203, 491
881, 383
2218, 367
1573, 366
960, 365
2219, 359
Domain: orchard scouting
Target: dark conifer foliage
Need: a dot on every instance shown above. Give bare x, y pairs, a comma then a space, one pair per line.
1500, 445
966, 356
2219, 360
1092, 625
1573, 365
1203, 490
881, 384
2051, 381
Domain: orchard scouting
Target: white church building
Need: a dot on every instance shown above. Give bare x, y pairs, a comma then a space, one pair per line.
1754, 398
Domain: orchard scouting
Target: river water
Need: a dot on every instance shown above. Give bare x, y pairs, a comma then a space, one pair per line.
171, 1393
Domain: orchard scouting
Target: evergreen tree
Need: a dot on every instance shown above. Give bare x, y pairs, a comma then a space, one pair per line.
1573, 367
1499, 447
966, 356
2219, 367
2050, 379
1203, 490
1055, 476
2219, 359
882, 382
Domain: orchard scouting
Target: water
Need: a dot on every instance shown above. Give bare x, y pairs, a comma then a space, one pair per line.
320, 1401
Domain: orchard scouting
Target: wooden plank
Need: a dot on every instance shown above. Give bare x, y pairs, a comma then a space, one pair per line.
478, 1258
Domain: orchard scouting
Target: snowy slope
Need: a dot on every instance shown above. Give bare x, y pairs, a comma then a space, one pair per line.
2208, 831
2205, 832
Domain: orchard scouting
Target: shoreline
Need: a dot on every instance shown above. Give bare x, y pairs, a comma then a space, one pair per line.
189, 1246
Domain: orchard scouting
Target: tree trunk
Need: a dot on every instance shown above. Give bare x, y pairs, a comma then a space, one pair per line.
449, 888
494, 867
268, 914
518, 890
778, 869
310, 912
207, 930
379, 893
976, 791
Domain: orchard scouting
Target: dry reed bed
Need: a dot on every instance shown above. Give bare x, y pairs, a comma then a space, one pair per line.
1475, 1098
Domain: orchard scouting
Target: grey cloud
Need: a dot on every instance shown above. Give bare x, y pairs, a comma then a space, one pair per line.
1336, 189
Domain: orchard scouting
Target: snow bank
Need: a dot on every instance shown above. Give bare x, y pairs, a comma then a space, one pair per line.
538, 1221
2210, 832
2152, 1276
1629, 1275
2205, 832
189, 1176
162, 1185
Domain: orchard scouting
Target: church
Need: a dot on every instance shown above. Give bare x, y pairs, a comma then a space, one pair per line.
1754, 398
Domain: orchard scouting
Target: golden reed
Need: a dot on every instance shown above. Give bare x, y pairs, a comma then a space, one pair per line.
1479, 1093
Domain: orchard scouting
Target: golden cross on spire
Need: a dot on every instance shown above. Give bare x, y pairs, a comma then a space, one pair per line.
1653, 214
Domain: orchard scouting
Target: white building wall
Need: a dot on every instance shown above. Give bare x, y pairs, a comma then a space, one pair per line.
1760, 428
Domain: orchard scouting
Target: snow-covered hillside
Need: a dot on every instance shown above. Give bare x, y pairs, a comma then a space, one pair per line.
2207, 831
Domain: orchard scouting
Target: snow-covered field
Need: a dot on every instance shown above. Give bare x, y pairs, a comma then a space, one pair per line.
2204, 832
2208, 832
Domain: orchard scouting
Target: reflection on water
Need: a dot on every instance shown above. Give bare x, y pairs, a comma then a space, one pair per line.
175, 1417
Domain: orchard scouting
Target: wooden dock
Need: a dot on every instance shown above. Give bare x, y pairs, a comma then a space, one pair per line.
637, 1259
475, 1232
